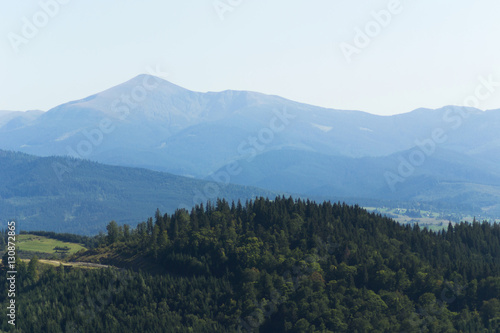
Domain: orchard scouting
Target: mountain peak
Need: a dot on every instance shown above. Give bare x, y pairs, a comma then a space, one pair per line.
150, 82
137, 89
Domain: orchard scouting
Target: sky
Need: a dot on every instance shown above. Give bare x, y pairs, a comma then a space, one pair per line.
382, 57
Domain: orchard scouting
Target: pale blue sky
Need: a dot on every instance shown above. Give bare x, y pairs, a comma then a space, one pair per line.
430, 55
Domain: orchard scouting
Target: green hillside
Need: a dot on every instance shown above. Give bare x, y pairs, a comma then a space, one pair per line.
68, 195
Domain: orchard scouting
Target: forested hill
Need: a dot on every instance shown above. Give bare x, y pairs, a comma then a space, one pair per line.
275, 266
71, 195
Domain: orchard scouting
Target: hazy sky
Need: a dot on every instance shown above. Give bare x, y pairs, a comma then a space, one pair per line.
331, 53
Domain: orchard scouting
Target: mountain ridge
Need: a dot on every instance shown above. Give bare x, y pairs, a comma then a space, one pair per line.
148, 122
69, 195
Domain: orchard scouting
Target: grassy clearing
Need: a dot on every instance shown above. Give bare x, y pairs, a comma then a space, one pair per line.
34, 243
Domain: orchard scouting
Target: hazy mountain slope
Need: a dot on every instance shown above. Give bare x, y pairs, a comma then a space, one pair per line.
280, 144
89, 195
444, 177
177, 130
15, 119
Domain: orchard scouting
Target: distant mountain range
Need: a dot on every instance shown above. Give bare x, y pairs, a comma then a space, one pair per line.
449, 156
15, 119
89, 194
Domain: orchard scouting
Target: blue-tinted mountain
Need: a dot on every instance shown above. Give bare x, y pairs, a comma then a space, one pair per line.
272, 142
69, 195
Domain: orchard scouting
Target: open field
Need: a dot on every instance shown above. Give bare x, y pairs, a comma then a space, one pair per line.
431, 220
34, 243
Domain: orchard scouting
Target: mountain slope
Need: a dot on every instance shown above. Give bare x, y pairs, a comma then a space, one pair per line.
279, 144
446, 178
13, 119
151, 122
85, 196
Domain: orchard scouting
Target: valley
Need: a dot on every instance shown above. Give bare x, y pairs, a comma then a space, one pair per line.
258, 221
233, 166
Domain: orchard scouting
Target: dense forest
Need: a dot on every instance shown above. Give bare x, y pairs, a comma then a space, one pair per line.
278, 265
